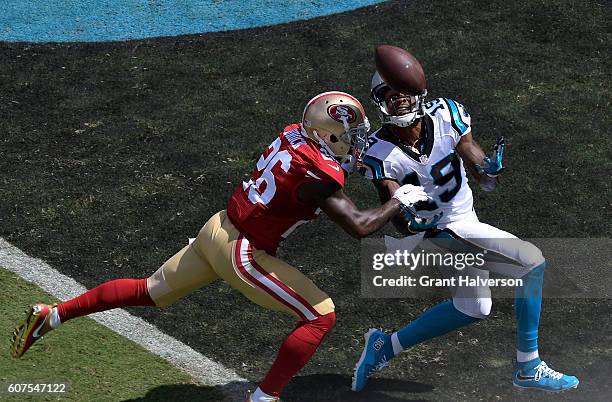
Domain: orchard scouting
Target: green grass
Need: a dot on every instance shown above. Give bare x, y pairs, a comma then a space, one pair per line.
112, 154
96, 363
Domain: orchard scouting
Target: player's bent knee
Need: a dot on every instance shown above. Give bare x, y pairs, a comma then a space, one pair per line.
484, 307
159, 291
324, 323
325, 306
531, 256
329, 320
479, 308
314, 331
534, 276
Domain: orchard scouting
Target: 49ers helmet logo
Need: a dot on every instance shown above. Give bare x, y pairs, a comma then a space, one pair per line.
338, 112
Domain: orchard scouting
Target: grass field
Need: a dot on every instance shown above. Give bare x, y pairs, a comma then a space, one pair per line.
112, 154
95, 363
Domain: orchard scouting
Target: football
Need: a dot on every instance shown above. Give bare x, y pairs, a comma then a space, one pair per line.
400, 70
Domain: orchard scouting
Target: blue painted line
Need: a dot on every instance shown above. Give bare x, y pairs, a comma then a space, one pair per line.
115, 20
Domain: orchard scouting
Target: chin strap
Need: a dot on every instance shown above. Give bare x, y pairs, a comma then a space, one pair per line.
403, 120
352, 136
400, 121
323, 144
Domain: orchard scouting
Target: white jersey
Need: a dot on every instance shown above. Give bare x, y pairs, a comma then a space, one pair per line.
436, 166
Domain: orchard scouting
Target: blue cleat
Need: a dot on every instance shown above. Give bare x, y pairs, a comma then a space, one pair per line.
375, 357
535, 374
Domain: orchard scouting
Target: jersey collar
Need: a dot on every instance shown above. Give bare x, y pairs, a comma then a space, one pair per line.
427, 131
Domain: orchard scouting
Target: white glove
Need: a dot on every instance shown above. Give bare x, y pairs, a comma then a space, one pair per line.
408, 195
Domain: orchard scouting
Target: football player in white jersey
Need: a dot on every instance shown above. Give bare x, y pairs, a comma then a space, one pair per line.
431, 145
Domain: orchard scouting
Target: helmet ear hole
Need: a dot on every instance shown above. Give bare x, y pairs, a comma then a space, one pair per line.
333, 138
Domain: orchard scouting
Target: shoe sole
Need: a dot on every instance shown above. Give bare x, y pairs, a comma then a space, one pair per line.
367, 337
550, 391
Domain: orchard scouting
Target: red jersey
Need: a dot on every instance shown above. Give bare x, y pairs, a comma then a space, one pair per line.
266, 209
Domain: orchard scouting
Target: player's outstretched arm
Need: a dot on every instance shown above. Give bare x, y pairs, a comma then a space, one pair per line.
408, 222
474, 159
359, 223
386, 188
341, 209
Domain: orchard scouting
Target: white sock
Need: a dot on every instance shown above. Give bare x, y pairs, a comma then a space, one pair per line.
397, 346
523, 357
260, 396
54, 320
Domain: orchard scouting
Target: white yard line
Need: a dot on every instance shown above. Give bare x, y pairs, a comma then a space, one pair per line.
203, 370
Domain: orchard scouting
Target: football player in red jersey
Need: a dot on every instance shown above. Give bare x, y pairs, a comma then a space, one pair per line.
297, 176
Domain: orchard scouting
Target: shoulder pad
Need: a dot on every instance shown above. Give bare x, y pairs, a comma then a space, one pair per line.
452, 112
379, 163
322, 166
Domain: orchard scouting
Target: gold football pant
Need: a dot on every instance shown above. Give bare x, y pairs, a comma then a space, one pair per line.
220, 251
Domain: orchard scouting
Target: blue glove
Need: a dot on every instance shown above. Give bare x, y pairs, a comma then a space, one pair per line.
493, 166
418, 224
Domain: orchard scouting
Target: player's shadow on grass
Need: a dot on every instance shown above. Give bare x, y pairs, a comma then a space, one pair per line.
337, 387
182, 392
308, 388
232, 392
